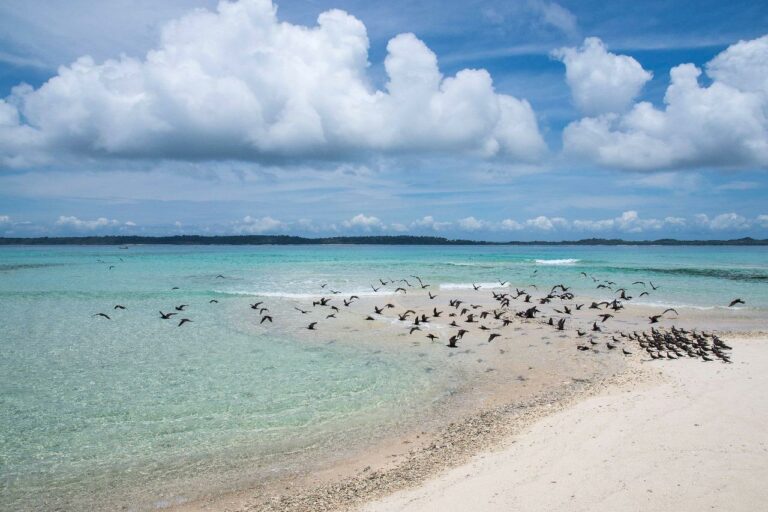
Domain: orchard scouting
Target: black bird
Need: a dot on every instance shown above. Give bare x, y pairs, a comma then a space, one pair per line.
595, 328
493, 336
332, 315
431, 296
452, 341
102, 315
654, 319
311, 326
400, 289
111, 267
219, 276
118, 306
375, 289
734, 302
166, 316
626, 352
670, 309
369, 317
605, 316
652, 285
213, 301
256, 306
378, 310
264, 318
476, 286
432, 337
303, 312
175, 288
183, 321
414, 328
580, 332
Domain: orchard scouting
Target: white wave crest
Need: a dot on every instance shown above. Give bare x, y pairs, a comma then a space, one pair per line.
468, 286
565, 261
294, 295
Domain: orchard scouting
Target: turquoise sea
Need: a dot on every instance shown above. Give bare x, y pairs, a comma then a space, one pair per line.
89, 405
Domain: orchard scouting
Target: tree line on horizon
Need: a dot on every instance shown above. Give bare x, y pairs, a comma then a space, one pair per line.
342, 240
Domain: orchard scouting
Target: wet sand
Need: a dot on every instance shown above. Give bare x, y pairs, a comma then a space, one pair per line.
505, 387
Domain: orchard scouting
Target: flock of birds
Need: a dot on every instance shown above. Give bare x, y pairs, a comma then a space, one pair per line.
519, 305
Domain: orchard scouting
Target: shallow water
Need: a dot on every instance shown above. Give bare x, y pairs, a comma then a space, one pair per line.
88, 405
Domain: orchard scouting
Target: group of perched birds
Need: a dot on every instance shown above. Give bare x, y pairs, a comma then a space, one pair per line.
519, 305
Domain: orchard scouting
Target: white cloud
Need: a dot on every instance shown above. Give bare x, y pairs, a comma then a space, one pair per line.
511, 225
74, 222
364, 222
429, 222
601, 81
557, 16
629, 222
238, 84
723, 124
4, 219
594, 225
255, 225
762, 221
546, 223
472, 224
725, 221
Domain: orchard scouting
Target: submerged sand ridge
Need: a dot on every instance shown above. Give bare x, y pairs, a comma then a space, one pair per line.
528, 371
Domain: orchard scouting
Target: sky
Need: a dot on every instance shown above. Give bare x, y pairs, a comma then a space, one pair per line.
486, 120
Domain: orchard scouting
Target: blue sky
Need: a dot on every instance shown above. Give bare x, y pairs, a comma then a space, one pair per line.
526, 120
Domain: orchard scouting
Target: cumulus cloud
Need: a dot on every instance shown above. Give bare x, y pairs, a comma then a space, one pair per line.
5, 219
724, 124
366, 223
236, 83
601, 81
511, 225
762, 221
255, 225
724, 221
74, 222
545, 223
472, 224
429, 222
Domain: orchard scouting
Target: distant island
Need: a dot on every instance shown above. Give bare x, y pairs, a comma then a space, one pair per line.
342, 240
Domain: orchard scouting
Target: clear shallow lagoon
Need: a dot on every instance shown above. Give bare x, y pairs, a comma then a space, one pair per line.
88, 405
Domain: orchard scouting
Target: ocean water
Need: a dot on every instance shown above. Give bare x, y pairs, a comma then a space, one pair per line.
88, 406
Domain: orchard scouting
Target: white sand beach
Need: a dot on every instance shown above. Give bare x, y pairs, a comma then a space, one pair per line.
691, 438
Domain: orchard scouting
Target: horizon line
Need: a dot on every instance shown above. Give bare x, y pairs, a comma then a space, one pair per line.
347, 240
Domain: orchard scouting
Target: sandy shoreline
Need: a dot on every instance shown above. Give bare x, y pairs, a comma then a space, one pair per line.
691, 439
420, 458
